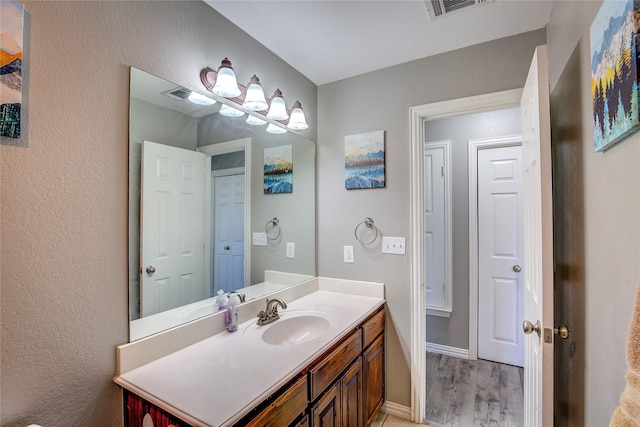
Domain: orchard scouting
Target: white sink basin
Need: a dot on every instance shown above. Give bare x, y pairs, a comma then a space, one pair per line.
293, 328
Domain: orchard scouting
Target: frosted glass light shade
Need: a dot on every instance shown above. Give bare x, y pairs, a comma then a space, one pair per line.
297, 120
254, 100
229, 111
253, 120
275, 129
196, 98
277, 110
226, 83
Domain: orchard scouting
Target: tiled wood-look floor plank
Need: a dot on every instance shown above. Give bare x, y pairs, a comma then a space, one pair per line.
465, 393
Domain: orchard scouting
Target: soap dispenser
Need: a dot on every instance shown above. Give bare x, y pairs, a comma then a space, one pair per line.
221, 300
231, 314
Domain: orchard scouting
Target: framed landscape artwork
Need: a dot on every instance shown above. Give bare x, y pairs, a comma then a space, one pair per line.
278, 169
364, 160
615, 40
11, 23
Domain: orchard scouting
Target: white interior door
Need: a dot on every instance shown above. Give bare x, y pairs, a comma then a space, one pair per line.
500, 255
228, 269
536, 145
172, 232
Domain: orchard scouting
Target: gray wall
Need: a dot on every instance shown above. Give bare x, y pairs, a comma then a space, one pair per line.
64, 196
381, 100
597, 229
454, 331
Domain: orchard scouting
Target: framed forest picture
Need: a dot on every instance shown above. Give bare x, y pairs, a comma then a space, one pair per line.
615, 40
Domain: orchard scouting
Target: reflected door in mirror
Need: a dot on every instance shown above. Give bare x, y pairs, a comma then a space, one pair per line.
172, 241
228, 265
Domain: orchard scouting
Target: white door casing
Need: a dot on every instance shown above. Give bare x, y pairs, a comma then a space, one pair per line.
172, 232
536, 144
228, 248
500, 255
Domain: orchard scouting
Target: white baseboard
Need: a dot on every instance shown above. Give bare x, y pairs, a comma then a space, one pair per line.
461, 353
397, 410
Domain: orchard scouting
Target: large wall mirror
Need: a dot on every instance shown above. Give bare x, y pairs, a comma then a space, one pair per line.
201, 217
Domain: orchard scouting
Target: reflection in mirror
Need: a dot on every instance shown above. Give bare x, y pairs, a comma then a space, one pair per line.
199, 216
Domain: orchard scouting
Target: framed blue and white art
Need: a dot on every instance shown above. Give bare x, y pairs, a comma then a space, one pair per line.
364, 160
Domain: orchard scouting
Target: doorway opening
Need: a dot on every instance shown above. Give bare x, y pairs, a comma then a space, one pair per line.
421, 115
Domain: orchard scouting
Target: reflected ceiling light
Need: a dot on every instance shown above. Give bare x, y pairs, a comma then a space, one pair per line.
297, 120
196, 98
226, 83
229, 111
277, 110
253, 120
275, 129
254, 99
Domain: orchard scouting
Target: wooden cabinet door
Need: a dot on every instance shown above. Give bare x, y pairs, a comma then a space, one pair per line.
352, 396
328, 411
373, 378
136, 408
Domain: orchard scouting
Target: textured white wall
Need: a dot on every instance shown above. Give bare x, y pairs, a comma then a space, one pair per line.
380, 100
64, 197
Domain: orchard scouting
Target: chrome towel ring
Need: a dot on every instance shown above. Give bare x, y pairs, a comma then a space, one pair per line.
272, 227
368, 223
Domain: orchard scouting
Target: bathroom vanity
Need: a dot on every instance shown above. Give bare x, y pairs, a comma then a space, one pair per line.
321, 363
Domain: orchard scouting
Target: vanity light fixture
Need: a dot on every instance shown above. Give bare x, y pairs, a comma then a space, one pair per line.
253, 120
254, 99
196, 98
226, 83
229, 111
277, 109
275, 129
297, 120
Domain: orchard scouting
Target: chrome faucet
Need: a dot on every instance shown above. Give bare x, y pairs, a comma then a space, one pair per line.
242, 296
270, 314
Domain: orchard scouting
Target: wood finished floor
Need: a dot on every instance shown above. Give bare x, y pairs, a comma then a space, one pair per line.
478, 393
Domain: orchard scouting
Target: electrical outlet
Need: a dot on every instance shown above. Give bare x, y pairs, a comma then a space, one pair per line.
291, 250
259, 239
394, 245
348, 254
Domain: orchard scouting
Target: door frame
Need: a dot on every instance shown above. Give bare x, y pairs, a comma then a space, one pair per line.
242, 144
474, 146
419, 114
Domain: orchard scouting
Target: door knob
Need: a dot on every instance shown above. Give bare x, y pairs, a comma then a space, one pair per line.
529, 327
562, 331
226, 248
517, 268
151, 269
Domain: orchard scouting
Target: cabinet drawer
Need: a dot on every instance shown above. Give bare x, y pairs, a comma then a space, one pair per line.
372, 328
286, 408
327, 371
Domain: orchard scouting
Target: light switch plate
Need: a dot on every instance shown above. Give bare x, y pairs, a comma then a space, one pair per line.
259, 239
394, 245
291, 250
348, 254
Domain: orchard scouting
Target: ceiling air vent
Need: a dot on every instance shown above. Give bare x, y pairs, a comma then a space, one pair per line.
178, 93
439, 8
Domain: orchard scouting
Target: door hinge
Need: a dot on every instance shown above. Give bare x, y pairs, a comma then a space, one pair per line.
442, 171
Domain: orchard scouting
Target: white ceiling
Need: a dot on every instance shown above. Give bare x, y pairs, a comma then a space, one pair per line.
329, 40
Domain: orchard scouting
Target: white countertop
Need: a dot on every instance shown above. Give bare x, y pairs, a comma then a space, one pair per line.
219, 379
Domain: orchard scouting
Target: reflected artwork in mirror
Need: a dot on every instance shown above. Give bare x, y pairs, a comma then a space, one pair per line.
197, 209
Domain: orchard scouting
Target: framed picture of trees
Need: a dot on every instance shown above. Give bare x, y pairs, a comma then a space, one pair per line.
615, 62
